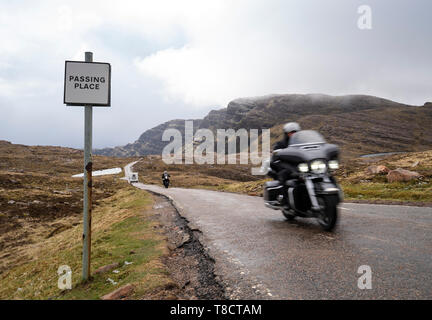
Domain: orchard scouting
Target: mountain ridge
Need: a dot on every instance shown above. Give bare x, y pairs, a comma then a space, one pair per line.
334, 116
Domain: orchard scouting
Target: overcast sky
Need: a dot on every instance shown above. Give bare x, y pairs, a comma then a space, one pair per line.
180, 59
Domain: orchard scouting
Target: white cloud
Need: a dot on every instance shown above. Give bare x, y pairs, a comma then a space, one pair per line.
229, 54
255, 48
6, 89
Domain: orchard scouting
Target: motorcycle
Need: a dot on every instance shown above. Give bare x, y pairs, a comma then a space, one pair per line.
166, 180
314, 193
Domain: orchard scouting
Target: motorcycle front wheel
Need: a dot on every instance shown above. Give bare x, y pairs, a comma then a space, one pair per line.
329, 214
288, 215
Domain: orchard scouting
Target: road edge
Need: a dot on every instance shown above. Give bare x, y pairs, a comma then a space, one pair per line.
207, 260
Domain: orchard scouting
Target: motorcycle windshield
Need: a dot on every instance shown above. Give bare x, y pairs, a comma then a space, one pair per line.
306, 137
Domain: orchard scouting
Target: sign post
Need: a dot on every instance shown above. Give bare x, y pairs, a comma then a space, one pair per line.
87, 84
87, 200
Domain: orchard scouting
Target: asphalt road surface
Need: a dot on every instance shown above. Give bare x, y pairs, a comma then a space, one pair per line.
258, 254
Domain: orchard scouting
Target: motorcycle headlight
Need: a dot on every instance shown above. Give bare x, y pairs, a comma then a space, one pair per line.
333, 164
303, 167
318, 166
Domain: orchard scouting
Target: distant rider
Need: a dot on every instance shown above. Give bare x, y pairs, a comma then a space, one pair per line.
165, 175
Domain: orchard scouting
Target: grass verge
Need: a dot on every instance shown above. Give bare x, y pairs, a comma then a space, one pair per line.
122, 233
402, 191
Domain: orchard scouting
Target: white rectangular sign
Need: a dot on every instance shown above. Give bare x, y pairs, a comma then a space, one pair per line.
87, 83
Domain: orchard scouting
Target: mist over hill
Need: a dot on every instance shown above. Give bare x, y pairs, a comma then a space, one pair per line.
360, 124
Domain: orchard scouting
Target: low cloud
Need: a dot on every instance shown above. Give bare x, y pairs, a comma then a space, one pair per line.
250, 50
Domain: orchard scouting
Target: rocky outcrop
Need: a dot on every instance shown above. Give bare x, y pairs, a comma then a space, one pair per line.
377, 169
107, 268
415, 164
401, 175
120, 293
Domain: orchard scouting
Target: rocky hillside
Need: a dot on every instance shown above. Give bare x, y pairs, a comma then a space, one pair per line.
360, 124
149, 143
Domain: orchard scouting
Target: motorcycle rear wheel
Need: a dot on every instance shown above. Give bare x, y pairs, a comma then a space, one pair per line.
329, 216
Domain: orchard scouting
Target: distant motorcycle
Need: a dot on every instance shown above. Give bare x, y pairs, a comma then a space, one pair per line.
166, 180
315, 193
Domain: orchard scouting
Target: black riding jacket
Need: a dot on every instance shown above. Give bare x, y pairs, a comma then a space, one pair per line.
282, 144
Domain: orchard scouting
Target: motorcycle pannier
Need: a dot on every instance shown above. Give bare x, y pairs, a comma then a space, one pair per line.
271, 190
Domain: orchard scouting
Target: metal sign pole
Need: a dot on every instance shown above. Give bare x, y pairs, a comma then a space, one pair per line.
87, 84
88, 118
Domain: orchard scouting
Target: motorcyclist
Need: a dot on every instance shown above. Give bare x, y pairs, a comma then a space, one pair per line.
165, 175
289, 129
282, 170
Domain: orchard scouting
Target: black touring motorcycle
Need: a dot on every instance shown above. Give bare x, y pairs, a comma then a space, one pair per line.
315, 193
166, 180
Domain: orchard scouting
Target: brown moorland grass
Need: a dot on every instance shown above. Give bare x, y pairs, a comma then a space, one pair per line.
38, 196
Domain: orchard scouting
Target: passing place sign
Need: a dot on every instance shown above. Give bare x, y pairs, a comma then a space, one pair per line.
87, 83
